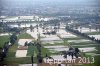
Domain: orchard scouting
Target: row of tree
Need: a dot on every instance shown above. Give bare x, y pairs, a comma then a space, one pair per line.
82, 34
4, 49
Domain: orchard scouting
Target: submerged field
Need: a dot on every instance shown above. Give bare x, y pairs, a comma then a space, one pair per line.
52, 45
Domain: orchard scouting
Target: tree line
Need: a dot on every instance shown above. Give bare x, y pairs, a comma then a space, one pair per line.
82, 34
6, 46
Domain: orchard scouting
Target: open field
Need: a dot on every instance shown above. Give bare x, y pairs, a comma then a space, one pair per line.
3, 39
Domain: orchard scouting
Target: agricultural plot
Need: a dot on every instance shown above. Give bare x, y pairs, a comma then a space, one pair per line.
86, 44
85, 30
52, 45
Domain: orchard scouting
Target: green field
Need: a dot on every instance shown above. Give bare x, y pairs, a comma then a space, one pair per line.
3, 39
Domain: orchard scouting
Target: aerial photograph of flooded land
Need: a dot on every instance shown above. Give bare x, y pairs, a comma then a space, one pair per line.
49, 33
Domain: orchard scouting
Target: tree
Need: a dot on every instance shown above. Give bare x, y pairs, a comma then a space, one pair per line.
31, 28
26, 43
13, 39
46, 57
80, 29
1, 55
39, 57
32, 60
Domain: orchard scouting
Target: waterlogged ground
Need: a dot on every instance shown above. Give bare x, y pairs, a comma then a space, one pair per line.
52, 45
